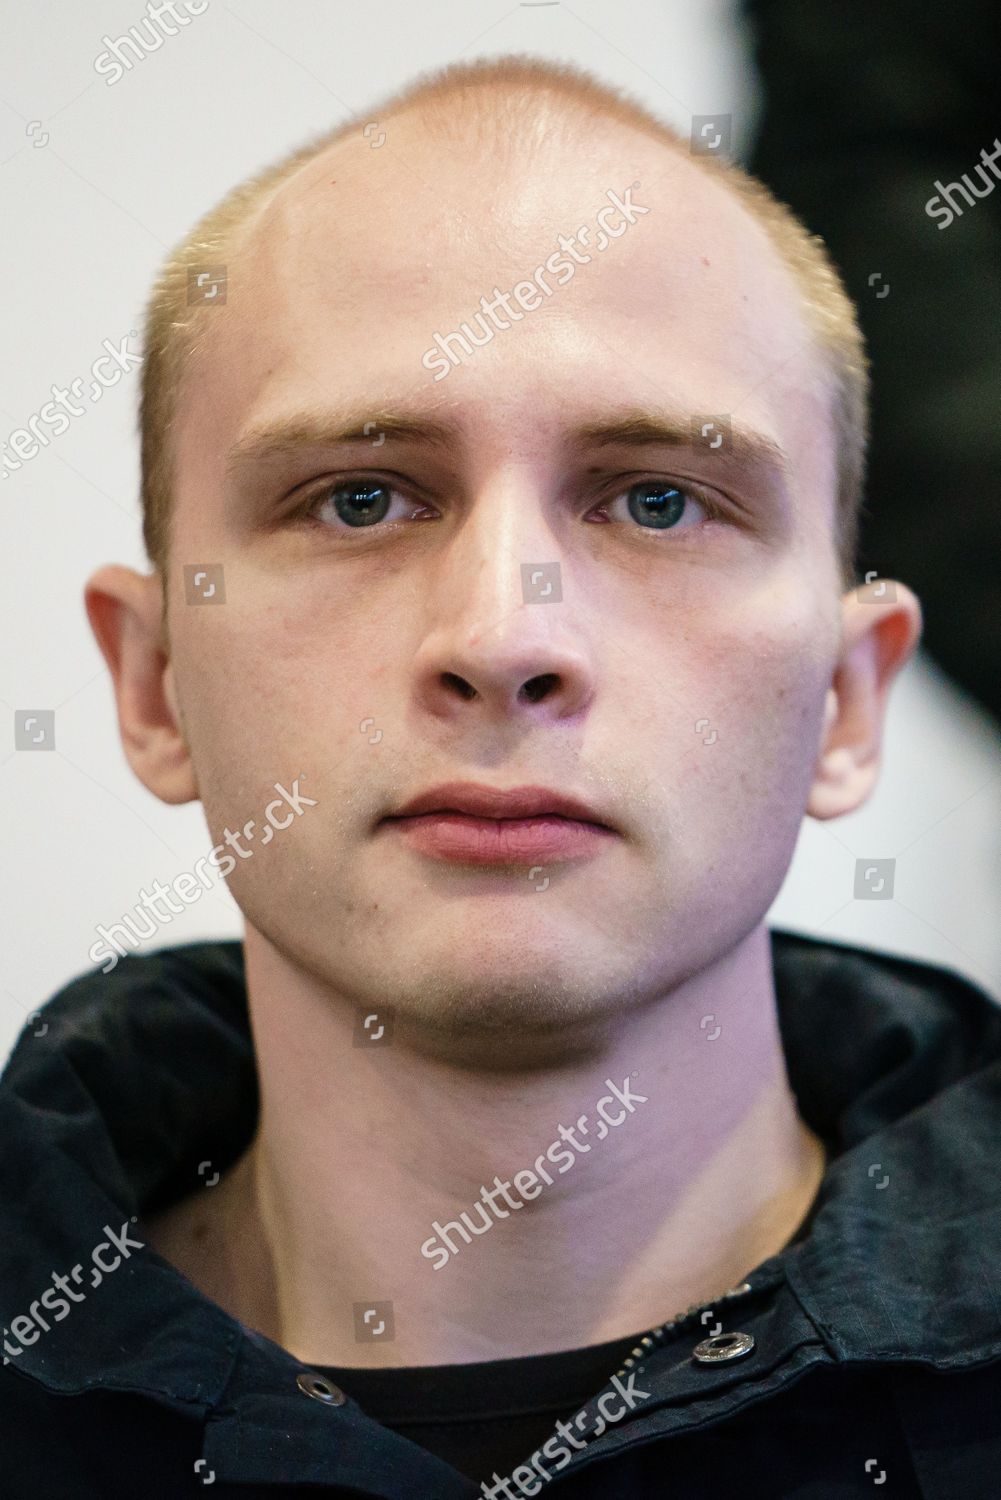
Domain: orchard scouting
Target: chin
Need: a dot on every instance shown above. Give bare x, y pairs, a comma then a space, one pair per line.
504, 1016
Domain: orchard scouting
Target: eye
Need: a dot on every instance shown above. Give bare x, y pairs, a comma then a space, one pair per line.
354, 503
656, 504
661, 505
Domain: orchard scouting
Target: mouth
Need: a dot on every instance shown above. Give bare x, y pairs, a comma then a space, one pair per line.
481, 825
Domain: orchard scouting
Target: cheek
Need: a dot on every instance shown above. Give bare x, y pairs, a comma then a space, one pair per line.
760, 681
242, 687
269, 692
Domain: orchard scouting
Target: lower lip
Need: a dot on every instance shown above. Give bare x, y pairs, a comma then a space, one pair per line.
499, 841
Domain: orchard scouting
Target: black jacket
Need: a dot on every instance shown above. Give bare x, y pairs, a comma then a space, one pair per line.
876, 1353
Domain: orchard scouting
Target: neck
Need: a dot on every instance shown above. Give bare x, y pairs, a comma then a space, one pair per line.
546, 1221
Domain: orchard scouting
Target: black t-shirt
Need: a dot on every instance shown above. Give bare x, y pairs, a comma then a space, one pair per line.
486, 1416
490, 1416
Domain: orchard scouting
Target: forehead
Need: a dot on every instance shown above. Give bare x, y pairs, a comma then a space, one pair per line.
341, 282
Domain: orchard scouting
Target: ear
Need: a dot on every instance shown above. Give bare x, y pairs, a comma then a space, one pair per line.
125, 610
879, 635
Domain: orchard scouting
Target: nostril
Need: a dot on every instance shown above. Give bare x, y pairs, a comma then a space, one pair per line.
538, 687
465, 689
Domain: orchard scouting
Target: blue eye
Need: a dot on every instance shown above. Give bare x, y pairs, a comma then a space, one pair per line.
360, 502
658, 504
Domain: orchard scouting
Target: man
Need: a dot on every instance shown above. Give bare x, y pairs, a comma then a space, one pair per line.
502, 618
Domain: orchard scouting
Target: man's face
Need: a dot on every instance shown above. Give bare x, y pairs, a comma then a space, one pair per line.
678, 682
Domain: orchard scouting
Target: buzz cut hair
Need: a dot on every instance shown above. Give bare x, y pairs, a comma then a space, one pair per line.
512, 103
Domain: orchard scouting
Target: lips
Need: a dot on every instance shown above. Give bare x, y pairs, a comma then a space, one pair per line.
479, 801
468, 823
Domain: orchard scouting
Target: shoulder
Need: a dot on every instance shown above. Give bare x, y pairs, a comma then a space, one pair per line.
88, 1445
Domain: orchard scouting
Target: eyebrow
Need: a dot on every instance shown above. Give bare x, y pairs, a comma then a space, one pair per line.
744, 446
284, 437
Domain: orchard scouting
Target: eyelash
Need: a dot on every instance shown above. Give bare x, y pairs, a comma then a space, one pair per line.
304, 511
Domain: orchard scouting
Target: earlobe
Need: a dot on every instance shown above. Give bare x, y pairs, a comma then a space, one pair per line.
125, 613
878, 639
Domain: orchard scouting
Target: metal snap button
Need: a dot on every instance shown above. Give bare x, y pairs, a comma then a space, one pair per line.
723, 1346
320, 1388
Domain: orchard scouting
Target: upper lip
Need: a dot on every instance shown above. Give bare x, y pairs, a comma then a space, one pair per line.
482, 801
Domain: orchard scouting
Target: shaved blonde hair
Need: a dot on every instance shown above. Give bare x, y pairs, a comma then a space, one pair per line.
511, 104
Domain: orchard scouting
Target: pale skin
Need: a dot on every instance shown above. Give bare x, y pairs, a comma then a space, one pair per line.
512, 1005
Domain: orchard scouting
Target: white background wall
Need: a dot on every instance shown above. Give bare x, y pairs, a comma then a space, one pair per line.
97, 184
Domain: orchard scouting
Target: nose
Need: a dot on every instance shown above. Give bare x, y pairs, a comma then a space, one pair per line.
505, 637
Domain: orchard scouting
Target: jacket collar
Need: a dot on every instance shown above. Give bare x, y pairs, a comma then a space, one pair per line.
901, 1061
127, 1083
